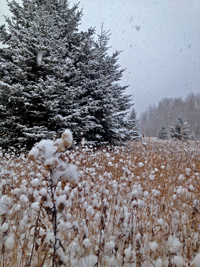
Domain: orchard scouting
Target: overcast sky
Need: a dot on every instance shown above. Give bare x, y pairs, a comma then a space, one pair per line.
160, 43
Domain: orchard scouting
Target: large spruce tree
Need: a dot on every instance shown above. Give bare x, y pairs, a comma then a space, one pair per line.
55, 77
104, 101
37, 69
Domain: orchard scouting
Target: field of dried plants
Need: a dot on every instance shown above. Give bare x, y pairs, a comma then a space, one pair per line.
133, 206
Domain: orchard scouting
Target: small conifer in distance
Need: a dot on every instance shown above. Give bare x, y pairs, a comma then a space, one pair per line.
180, 130
163, 133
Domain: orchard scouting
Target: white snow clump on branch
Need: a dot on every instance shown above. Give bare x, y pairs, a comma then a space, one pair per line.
39, 58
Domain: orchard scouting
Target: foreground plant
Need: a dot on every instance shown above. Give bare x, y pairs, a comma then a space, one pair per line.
49, 153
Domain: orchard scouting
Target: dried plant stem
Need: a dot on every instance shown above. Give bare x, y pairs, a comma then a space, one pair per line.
54, 218
34, 237
54, 221
2, 252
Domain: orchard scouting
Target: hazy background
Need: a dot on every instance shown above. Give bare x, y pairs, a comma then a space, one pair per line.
160, 43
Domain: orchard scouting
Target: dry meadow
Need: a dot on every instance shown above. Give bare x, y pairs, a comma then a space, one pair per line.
133, 206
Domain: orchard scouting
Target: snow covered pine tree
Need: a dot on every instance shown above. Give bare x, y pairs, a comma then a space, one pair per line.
163, 133
35, 68
54, 77
180, 130
132, 124
104, 103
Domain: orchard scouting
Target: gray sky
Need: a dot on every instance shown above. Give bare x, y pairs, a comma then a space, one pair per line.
160, 43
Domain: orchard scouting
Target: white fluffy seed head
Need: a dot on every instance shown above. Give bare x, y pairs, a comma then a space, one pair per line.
178, 261
65, 141
10, 242
86, 243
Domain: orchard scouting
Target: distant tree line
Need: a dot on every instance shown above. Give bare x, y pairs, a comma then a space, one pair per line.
55, 77
171, 112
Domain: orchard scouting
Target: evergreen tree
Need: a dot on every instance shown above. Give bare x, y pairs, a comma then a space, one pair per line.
132, 125
54, 77
104, 100
163, 133
38, 71
181, 129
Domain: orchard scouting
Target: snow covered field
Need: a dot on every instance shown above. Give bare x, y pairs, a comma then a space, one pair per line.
134, 206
